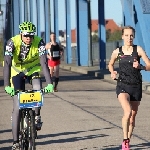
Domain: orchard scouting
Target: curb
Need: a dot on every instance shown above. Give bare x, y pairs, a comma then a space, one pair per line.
100, 75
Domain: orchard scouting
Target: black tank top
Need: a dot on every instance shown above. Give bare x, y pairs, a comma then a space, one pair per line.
127, 73
55, 52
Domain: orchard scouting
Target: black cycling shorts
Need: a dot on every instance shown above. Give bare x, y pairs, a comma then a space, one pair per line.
135, 91
18, 81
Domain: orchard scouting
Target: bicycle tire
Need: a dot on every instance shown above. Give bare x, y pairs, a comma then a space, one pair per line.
32, 145
23, 136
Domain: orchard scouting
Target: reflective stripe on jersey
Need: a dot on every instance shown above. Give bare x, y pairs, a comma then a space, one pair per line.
26, 70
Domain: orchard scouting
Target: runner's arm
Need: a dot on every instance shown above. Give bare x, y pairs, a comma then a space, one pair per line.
145, 58
48, 48
112, 60
61, 49
43, 62
8, 55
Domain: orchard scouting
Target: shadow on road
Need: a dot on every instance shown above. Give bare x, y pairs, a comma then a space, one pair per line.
133, 147
8, 130
5, 148
1, 82
109, 90
71, 76
68, 133
73, 139
6, 141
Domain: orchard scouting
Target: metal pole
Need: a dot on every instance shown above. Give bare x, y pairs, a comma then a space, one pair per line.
0, 5
49, 15
11, 18
77, 34
1, 12
47, 20
26, 10
68, 53
102, 34
90, 60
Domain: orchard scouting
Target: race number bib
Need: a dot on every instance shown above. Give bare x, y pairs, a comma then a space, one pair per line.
30, 100
55, 53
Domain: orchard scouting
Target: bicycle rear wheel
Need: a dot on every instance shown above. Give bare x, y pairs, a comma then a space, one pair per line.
32, 132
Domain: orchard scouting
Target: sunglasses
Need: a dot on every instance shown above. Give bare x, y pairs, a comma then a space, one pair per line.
30, 36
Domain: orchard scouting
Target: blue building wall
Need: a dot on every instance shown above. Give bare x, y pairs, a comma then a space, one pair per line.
137, 14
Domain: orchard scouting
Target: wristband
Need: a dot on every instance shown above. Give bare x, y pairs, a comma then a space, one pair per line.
142, 67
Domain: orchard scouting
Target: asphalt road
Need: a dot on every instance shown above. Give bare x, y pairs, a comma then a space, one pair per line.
84, 115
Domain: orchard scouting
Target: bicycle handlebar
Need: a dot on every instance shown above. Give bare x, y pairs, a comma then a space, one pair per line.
30, 91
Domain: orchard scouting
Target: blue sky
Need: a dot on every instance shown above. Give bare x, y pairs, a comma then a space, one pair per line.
113, 10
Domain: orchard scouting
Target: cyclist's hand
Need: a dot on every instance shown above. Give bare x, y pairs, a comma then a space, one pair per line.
49, 88
9, 90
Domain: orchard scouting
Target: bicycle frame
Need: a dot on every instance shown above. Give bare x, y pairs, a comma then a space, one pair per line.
28, 133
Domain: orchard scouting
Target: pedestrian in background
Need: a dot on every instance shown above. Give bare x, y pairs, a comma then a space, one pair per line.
54, 53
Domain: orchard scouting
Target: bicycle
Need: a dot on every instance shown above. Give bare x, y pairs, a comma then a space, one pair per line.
27, 101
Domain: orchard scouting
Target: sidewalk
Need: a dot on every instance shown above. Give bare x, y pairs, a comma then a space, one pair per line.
96, 72
84, 115
90, 71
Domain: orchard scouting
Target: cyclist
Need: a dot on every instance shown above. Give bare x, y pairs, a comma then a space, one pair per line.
25, 55
129, 85
54, 51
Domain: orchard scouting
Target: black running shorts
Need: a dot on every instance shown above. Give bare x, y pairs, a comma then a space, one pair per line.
135, 91
18, 81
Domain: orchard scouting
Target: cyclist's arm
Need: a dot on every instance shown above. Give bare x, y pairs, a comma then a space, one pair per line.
8, 55
43, 61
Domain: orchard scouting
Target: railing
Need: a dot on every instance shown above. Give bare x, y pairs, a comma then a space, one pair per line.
110, 46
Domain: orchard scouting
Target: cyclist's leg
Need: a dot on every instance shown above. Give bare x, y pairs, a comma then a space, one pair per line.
19, 84
35, 80
37, 85
15, 119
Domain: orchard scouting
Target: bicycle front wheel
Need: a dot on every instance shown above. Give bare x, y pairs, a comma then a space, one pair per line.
23, 131
32, 133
